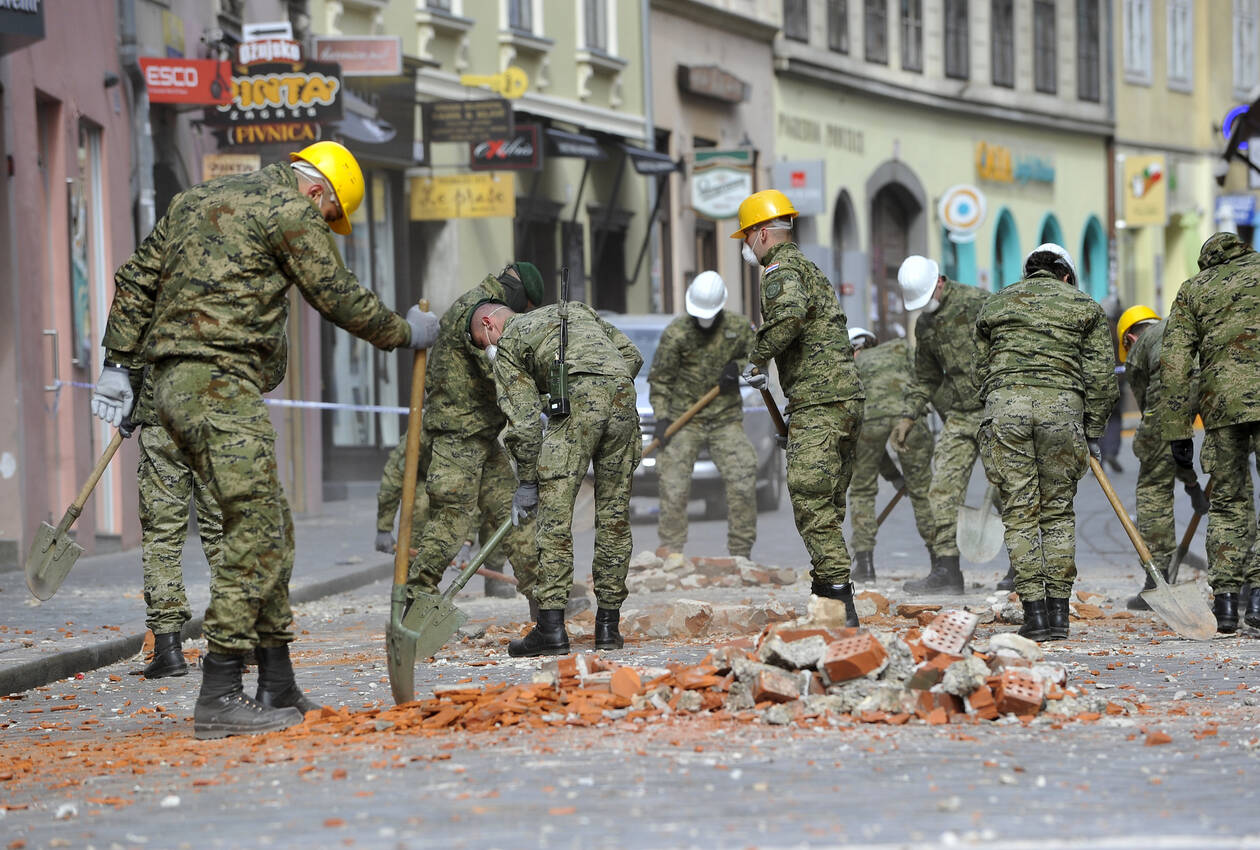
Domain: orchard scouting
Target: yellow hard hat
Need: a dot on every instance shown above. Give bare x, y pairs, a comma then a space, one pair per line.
341, 169
1130, 317
762, 206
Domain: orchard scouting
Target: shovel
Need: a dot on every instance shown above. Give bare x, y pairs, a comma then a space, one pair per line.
1181, 606
888, 508
400, 646
1183, 548
683, 420
53, 553
980, 531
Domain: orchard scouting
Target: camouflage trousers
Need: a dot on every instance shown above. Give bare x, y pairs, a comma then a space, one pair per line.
736, 460
868, 465
952, 460
1032, 441
603, 430
1156, 492
469, 482
822, 441
167, 486
221, 426
1233, 547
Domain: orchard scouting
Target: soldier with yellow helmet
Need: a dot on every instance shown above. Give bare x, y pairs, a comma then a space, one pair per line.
203, 302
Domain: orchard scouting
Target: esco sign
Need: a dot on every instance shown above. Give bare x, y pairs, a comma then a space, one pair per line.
206, 82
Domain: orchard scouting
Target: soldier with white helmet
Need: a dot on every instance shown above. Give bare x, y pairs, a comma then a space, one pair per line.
708, 346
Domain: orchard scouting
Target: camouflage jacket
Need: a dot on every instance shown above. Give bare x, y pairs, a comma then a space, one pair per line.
1214, 325
1142, 368
458, 383
1043, 332
390, 493
688, 361
804, 331
945, 354
211, 281
885, 373
522, 369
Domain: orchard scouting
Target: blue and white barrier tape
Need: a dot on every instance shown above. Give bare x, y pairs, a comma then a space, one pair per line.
286, 402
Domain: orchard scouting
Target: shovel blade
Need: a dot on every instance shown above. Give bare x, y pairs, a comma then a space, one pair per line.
433, 620
400, 650
980, 534
1183, 608
50, 561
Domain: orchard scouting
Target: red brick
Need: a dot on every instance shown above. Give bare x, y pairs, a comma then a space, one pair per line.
911, 610
776, 686
931, 671
881, 601
929, 701
852, 657
788, 635
982, 703
625, 682
1017, 692
937, 717
950, 631
726, 563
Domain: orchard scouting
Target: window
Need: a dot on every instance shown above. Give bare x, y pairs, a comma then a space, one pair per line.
1246, 61
1137, 41
439, 5
1180, 45
1003, 24
957, 55
596, 13
912, 35
1045, 75
877, 31
796, 19
521, 15
838, 25
1088, 86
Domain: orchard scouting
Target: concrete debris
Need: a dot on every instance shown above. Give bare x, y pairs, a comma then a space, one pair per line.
965, 676
794, 655
1011, 643
651, 573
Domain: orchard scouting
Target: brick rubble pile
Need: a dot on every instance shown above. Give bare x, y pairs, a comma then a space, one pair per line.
651, 573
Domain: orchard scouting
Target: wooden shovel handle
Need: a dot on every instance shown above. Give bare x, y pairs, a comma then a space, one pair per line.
97, 471
1134, 536
411, 463
683, 420
892, 503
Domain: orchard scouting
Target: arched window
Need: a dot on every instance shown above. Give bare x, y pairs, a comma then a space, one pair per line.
1007, 261
1091, 267
1051, 232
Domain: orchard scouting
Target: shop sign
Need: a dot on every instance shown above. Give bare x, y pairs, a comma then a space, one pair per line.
512, 82
961, 210
292, 101
520, 151
1240, 209
268, 51
360, 56
1145, 195
574, 146
650, 163
222, 164
463, 196
803, 183
999, 164
204, 82
712, 81
466, 120
273, 133
720, 180
838, 136
21, 24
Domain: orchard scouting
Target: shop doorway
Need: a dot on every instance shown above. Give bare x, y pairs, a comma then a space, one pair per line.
848, 259
537, 232
892, 211
1092, 266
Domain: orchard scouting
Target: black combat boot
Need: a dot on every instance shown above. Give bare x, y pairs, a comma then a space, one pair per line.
1225, 607
1007, 582
1253, 607
548, 636
608, 629
863, 567
945, 577
843, 592
1058, 615
276, 686
168, 658
1036, 620
223, 709
496, 588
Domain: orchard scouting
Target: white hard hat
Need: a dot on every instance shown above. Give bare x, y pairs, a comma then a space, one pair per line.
706, 296
1051, 248
918, 277
857, 333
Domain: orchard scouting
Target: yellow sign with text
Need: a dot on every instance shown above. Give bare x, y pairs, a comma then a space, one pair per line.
1145, 191
463, 196
222, 164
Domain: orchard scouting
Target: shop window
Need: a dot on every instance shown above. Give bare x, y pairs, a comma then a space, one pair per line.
1088, 86
838, 25
1002, 22
796, 20
912, 35
876, 31
1045, 70
1007, 260
1137, 41
1246, 44
957, 40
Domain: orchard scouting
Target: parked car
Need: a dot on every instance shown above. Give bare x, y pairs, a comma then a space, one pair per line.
706, 483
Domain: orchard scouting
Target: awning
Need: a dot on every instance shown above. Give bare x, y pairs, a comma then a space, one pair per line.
649, 162
575, 145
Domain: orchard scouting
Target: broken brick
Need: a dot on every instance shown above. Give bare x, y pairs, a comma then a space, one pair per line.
911, 610
1085, 611
981, 703
625, 682
1017, 692
880, 601
852, 657
950, 632
774, 685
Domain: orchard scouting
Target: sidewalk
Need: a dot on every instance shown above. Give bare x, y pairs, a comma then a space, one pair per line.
97, 616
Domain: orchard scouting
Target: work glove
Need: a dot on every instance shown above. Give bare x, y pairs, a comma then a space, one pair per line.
728, 381
895, 479
1183, 453
384, 541
782, 439
424, 327
659, 429
524, 501
463, 556
113, 397
901, 433
1095, 448
753, 378
1198, 499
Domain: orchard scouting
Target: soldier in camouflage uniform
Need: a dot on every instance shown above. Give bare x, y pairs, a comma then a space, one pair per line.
885, 370
804, 332
462, 460
1140, 335
1047, 381
205, 300
945, 356
708, 346
1213, 326
601, 429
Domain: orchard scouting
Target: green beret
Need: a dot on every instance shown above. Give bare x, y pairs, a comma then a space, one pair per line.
531, 280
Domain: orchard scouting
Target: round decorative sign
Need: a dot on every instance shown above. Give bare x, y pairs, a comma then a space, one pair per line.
962, 211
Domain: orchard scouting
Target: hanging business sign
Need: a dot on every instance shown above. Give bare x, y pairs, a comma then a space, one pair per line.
961, 210
1145, 191
720, 180
362, 55
520, 151
463, 196
574, 145
466, 120
204, 82
649, 163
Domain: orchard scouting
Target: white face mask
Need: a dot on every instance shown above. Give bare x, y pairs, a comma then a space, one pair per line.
749, 256
932, 306
492, 351
705, 323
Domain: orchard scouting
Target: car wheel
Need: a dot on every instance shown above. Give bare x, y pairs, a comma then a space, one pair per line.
771, 493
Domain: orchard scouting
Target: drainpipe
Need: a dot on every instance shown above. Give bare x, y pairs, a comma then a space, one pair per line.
142, 196
649, 131
1108, 68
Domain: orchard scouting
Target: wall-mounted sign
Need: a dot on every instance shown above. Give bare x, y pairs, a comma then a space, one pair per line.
1145, 191
360, 56
463, 196
222, 164
649, 162
804, 184
998, 163
277, 94
200, 81
21, 24
574, 145
466, 120
512, 82
803, 129
720, 180
712, 81
268, 50
961, 209
1239, 209
520, 151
